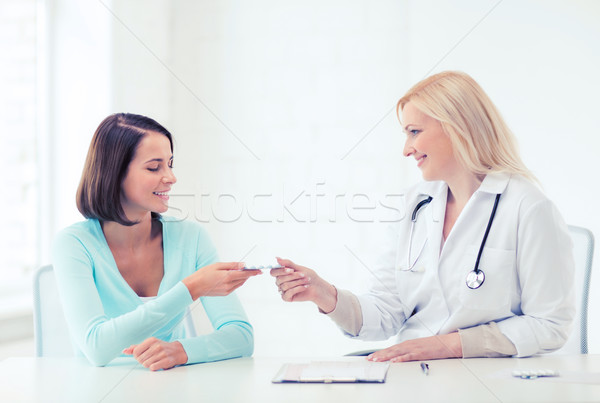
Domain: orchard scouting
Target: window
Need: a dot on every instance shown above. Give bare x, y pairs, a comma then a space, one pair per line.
19, 202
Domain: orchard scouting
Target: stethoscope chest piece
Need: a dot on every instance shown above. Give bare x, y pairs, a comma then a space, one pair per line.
475, 279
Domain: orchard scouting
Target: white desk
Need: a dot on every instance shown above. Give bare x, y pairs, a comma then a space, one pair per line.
249, 380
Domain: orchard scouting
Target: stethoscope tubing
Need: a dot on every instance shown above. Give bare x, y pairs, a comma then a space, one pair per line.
487, 231
409, 266
418, 207
479, 275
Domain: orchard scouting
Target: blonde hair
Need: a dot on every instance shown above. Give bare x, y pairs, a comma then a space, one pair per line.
481, 140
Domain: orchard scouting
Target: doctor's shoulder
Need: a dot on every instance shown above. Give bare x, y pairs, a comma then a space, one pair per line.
526, 194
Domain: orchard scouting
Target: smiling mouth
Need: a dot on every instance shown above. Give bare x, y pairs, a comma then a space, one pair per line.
421, 159
161, 193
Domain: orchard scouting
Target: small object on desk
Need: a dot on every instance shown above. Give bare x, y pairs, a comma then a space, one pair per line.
269, 267
425, 368
534, 373
333, 372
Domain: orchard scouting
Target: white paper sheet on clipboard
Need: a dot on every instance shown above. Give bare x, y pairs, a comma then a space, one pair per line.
333, 372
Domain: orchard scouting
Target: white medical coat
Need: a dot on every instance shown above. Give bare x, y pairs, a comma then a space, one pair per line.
527, 260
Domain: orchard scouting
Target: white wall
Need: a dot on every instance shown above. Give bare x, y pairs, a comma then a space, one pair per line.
76, 58
295, 99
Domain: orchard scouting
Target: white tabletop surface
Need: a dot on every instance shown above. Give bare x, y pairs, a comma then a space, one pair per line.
249, 380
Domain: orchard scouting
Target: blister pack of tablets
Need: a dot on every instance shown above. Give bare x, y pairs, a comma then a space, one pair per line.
534, 373
269, 267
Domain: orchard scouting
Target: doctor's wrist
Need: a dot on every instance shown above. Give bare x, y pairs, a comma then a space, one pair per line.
328, 299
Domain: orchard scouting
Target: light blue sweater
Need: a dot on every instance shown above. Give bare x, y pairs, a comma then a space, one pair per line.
105, 315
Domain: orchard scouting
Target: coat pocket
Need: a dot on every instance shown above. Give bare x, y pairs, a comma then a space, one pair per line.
498, 265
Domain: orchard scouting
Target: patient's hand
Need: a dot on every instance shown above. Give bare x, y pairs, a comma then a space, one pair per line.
217, 279
156, 354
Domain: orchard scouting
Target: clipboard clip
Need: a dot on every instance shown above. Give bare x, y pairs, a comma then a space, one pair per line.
328, 379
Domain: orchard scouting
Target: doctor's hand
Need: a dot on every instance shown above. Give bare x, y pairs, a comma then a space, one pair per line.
156, 354
299, 283
217, 279
425, 348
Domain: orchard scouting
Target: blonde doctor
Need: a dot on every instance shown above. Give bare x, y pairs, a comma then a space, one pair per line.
480, 266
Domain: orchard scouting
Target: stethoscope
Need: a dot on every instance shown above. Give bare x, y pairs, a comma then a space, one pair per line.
475, 277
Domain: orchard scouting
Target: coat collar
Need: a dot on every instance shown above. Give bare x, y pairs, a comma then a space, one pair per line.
493, 183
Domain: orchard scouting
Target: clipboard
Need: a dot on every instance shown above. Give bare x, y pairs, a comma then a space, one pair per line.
362, 371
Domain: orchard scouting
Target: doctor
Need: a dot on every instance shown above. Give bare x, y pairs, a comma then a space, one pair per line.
481, 264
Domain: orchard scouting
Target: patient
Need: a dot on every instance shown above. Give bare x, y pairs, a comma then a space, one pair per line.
126, 274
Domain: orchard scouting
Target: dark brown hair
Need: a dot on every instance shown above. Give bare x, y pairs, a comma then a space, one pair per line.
111, 150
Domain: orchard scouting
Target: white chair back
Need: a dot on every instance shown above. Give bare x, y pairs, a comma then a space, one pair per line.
583, 252
51, 333
50, 327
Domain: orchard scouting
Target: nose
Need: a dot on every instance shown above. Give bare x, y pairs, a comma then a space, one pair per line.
169, 177
408, 147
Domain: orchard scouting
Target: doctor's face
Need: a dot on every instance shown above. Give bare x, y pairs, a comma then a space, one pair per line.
427, 142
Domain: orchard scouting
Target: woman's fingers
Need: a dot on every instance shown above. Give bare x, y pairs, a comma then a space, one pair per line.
281, 272
235, 285
142, 350
162, 357
294, 294
236, 275
229, 280
288, 285
230, 265
289, 268
424, 348
217, 279
235, 279
285, 278
128, 350
286, 263
156, 354
387, 353
233, 269
295, 282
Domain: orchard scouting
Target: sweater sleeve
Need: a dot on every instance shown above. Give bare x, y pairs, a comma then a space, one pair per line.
98, 336
233, 336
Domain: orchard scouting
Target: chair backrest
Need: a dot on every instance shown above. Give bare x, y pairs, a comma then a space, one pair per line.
583, 252
50, 327
51, 333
